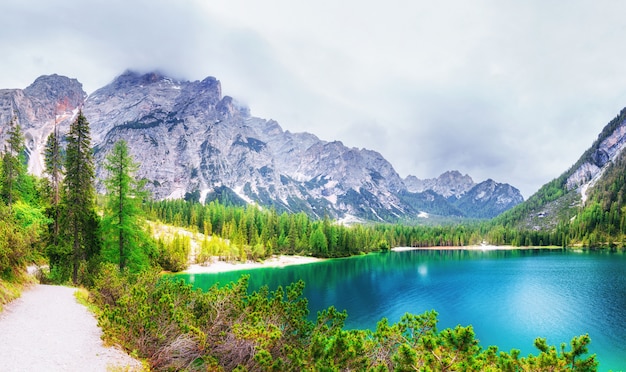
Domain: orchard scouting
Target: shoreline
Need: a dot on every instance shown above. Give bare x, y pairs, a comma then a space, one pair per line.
280, 261
487, 247
274, 261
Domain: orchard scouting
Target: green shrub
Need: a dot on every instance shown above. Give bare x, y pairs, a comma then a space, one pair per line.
14, 244
176, 327
173, 254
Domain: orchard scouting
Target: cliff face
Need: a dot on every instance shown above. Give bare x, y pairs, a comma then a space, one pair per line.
604, 151
190, 140
188, 137
49, 100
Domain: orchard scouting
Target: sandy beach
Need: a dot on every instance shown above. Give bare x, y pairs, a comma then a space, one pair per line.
274, 261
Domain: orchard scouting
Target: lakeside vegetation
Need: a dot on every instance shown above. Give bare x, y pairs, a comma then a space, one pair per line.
177, 327
107, 246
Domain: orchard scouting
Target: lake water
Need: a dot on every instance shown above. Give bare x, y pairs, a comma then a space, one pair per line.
509, 297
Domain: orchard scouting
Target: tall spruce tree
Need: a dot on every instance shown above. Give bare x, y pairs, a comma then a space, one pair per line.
12, 165
121, 225
54, 167
80, 218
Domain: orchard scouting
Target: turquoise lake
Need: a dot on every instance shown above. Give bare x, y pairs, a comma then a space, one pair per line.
509, 297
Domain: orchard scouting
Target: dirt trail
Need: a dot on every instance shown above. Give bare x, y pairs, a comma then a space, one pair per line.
47, 330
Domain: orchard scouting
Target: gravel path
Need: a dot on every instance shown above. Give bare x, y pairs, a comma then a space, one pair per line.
47, 330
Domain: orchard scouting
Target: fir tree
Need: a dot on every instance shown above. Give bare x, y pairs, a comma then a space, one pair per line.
54, 168
12, 166
122, 222
318, 242
79, 195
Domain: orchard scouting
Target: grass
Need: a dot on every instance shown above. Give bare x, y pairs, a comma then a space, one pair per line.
11, 286
83, 297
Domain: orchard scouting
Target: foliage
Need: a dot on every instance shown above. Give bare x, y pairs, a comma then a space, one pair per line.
173, 253
53, 160
602, 221
79, 216
12, 164
14, 244
126, 241
177, 327
214, 247
18, 236
253, 233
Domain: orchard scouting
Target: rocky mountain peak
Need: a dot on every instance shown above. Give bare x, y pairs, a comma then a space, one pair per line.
457, 194
448, 184
227, 108
50, 101
66, 94
191, 140
488, 199
131, 78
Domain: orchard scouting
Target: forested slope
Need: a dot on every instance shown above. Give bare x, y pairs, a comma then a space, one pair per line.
585, 204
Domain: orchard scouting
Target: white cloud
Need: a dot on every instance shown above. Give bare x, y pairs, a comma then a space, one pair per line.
513, 91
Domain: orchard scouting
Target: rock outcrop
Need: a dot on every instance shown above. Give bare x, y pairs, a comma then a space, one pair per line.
49, 101
604, 151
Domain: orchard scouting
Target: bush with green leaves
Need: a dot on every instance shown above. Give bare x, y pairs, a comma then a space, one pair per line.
15, 243
177, 327
173, 253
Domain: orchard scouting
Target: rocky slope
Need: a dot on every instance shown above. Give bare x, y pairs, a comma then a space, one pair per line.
49, 100
463, 196
561, 199
595, 161
192, 141
450, 183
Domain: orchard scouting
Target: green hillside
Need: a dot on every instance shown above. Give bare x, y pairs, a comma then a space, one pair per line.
558, 213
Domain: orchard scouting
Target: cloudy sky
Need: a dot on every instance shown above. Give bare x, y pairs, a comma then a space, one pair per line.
509, 90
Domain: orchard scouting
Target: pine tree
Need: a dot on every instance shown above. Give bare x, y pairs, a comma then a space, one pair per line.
54, 168
12, 166
79, 195
122, 221
318, 242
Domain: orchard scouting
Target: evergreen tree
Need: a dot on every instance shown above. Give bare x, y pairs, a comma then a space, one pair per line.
12, 166
318, 242
79, 195
122, 221
54, 168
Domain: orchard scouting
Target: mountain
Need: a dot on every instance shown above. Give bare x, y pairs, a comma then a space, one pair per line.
593, 185
450, 183
193, 142
49, 100
458, 195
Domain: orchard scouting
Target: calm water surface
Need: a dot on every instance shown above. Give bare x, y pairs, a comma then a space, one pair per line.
510, 297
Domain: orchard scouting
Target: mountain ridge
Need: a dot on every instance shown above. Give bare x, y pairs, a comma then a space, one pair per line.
189, 139
563, 199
